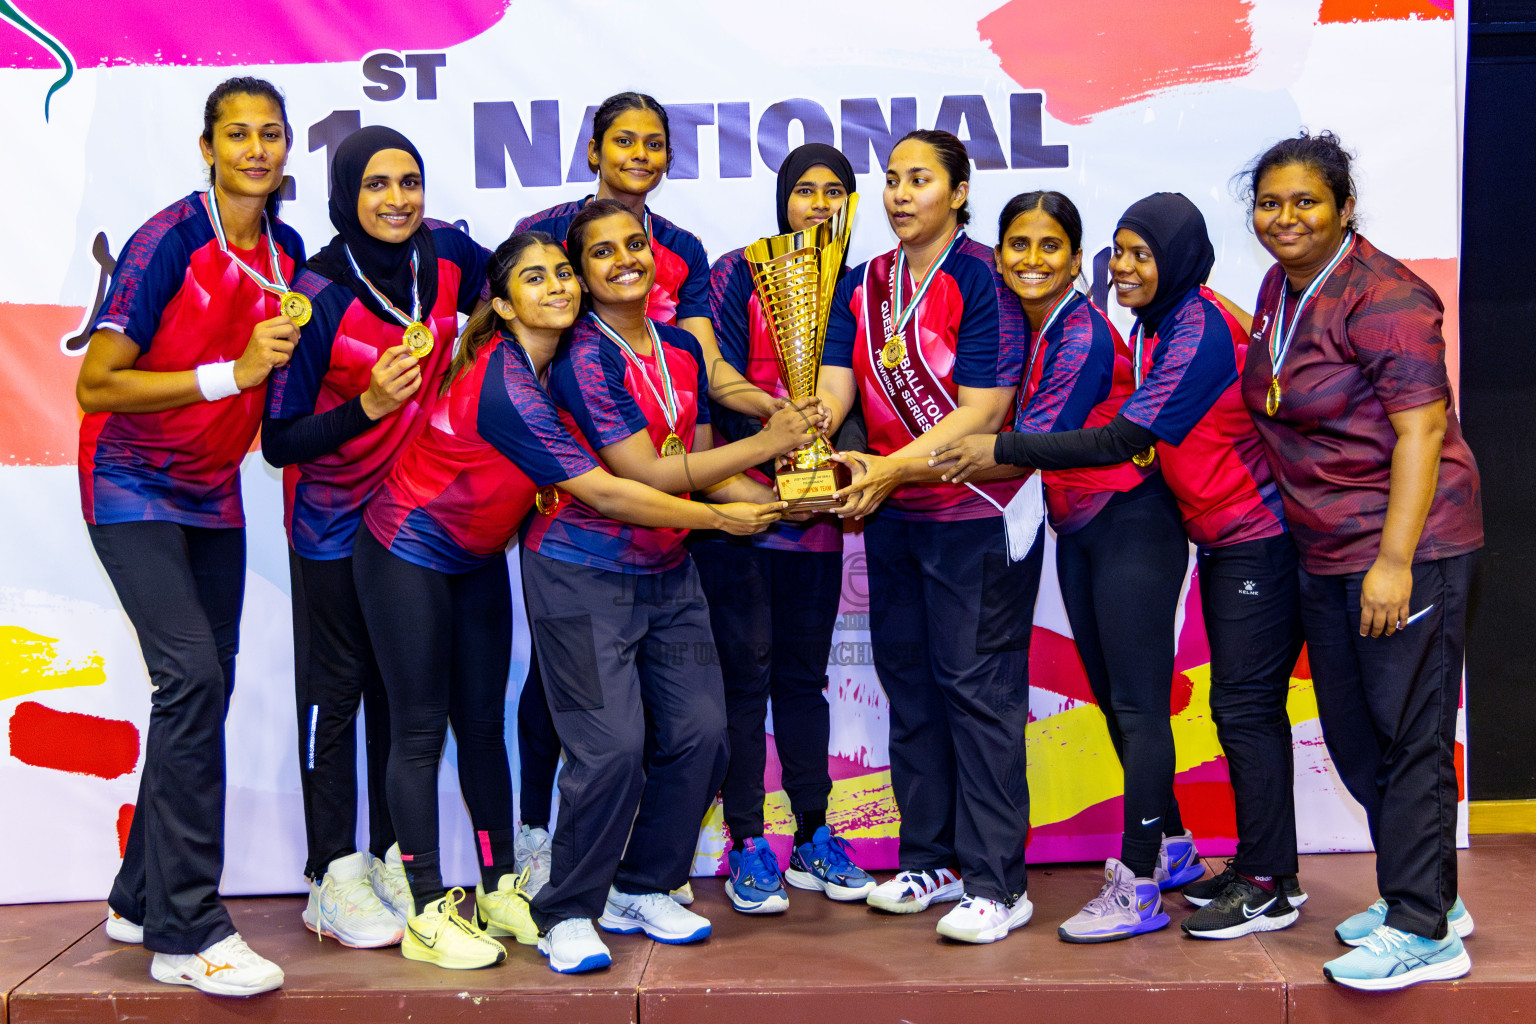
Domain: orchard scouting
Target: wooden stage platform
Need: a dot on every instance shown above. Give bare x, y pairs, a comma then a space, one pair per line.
821, 961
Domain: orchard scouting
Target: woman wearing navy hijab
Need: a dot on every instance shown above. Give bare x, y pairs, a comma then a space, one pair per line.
773, 600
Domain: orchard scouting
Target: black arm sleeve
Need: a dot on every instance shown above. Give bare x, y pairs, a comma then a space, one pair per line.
1108, 445
307, 438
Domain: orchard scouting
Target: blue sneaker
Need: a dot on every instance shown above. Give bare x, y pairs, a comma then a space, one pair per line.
1389, 959
1178, 862
826, 863
1358, 927
754, 886
1126, 906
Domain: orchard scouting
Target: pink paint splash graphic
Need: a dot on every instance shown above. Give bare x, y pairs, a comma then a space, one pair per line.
1118, 52
229, 35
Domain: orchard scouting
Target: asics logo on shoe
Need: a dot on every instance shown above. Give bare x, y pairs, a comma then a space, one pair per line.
1252, 912
210, 968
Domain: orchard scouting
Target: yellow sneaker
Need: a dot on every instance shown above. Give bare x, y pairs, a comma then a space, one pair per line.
505, 911
440, 936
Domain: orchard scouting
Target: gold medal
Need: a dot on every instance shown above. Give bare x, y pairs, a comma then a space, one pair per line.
1144, 459
893, 354
1272, 400
418, 339
547, 499
673, 445
296, 307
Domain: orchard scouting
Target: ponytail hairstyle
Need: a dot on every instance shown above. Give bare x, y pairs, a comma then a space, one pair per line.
1056, 206
576, 239
485, 321
617, 104
213, 106
954, 158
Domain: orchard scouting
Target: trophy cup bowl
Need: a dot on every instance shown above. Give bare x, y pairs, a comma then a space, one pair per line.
795, 276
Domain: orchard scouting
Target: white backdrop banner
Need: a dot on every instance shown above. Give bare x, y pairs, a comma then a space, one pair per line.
102, 106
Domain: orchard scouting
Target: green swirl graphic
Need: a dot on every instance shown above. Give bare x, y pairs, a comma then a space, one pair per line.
12, 14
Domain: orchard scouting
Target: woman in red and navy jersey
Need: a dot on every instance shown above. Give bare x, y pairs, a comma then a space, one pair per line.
933, 345
338, 415
619, 623
630, 151
172, 387
1185, 418
1347, 383
773, 601
432, 580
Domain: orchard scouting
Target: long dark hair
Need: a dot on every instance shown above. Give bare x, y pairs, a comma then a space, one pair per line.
617, 104
246, 85
485, 321
576, 237
956, 161
1323, 153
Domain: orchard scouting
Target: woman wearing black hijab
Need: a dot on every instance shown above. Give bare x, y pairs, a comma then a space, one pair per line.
1187, 419
773, 601
385, 295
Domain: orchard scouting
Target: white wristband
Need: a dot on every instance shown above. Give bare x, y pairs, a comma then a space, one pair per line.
217, 380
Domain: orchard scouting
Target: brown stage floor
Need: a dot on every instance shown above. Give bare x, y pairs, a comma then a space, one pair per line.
819, 962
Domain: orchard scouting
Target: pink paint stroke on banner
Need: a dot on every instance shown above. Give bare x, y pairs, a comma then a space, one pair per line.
1124, 52
229, 35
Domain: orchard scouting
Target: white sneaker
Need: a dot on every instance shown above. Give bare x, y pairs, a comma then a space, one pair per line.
531, 851
683, 895
654, 913
912, 891
120, 929
344, 906
227, 968
573, 946
978, 919
387, 879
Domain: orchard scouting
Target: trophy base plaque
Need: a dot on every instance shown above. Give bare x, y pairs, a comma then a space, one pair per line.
813, 489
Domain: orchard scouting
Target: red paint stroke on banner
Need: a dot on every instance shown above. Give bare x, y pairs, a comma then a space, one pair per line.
124, 823
229, 35
66, 741
1383, 10
1055, 665
39, 420
1118, 52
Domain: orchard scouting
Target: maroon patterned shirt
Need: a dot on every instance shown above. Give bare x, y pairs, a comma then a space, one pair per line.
1368, 345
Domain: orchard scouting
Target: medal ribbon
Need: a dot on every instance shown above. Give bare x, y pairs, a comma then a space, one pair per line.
1139, 336
1039, 343
274, 284
666, 398
904, 314
405, 321
1279, 333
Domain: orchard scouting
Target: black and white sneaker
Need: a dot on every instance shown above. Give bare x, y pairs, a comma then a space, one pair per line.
1204, 890
1241, 908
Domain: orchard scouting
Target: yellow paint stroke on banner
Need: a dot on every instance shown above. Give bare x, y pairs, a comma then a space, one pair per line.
1072, 766
29, 662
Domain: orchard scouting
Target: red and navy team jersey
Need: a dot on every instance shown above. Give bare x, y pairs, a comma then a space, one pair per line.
1368, 345
1079, 376
681, 289
1208, 449
183, 301
602, 401
459, 492
971, 333
333, 363
746, 342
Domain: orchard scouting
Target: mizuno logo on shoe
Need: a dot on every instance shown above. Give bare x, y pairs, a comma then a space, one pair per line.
210, 968
1252, 912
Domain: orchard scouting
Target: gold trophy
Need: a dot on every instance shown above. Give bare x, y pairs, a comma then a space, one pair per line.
794, 276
